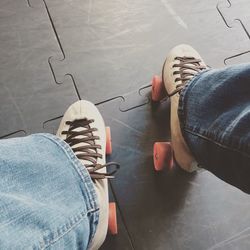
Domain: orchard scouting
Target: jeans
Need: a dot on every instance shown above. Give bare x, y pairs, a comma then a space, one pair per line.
47, 198
214, 113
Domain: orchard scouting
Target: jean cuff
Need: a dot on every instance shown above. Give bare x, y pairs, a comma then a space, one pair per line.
182, 98
90, 195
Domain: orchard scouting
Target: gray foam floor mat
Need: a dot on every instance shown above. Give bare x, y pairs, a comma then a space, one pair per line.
53, 53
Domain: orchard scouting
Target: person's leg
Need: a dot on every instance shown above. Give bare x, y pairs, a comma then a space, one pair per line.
83, 128
47, 198
210, 115
53, 190
214, 111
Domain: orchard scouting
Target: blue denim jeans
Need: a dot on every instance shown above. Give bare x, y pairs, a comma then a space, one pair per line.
47, 198
214, 113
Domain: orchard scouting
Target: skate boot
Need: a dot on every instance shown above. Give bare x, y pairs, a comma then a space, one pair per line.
82, 127
181, 65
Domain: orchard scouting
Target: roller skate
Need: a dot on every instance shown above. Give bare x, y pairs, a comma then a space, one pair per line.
82, 127
181, 65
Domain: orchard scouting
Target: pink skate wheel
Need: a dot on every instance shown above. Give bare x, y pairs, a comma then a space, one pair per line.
112, 224
108, 141
158, 89
163, 156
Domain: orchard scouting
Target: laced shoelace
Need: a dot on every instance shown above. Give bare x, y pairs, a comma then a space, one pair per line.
87, 152
188, 68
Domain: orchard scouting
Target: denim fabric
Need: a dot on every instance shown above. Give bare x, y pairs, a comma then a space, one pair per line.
214, 113
47, 198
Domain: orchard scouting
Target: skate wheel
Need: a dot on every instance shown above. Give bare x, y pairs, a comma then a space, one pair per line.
112, 224
163, 156
108, 141
158, 90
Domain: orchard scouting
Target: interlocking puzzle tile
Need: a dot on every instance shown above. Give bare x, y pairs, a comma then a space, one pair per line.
243, 57
111, 48
11, 117
18, 133
233, 11
207, 28
124, 103
29, 94
135, 98
9, 8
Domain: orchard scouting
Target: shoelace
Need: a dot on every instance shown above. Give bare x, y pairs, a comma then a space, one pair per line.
189, 67
87, 152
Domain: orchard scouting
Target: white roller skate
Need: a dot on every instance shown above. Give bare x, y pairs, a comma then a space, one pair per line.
82, 127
